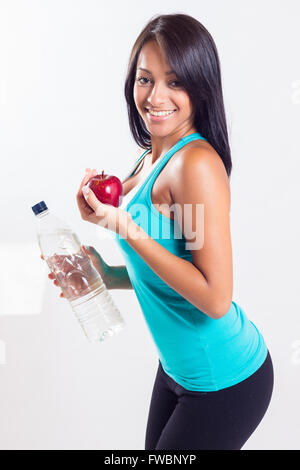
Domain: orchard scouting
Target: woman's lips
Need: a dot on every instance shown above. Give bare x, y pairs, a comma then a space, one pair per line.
159, 118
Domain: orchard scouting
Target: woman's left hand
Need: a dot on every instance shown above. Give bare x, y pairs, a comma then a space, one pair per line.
94, 211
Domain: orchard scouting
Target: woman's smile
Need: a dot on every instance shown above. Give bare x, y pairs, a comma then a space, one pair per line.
158, 117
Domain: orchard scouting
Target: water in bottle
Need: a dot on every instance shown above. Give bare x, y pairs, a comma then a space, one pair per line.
79, 280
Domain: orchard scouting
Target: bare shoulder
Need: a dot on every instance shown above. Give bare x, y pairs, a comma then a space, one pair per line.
199, 155
199, 164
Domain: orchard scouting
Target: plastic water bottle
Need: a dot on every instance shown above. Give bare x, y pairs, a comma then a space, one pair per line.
79, 280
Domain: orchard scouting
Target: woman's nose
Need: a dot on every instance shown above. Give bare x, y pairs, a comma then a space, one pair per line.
158, 95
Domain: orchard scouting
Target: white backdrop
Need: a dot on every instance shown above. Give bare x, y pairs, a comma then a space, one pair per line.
62, 109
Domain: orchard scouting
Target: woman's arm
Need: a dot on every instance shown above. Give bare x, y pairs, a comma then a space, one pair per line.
207, 281
117, 278
114, 277
200, 180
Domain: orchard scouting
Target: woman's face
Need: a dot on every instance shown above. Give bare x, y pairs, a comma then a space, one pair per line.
160, 91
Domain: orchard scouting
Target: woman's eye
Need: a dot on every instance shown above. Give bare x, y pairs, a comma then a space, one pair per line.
139, 79
142, 78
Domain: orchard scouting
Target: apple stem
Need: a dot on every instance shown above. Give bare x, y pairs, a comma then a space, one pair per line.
102, 174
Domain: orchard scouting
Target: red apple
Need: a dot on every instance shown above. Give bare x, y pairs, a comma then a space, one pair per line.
107, 188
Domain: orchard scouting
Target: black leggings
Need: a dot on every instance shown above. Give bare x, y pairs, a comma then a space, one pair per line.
180, 419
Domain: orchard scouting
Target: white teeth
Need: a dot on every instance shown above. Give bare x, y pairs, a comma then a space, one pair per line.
161, 113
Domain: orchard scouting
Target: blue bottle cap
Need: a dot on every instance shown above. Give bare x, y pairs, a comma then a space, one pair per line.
40, 207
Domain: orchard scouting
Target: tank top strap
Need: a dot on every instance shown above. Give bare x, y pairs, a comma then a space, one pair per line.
149, 181
181, 143
137, 162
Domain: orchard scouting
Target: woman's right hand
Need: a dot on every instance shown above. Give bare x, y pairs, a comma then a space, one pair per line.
97, 261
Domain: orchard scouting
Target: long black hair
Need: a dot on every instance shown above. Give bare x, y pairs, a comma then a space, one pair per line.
192, 54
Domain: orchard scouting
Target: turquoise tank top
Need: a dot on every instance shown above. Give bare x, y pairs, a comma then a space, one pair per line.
196, 351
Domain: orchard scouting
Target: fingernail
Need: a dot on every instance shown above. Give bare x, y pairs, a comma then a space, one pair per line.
85, 190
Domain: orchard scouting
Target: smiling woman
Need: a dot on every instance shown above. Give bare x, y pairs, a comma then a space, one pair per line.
215, 377
159, 98
176, 67
155, 115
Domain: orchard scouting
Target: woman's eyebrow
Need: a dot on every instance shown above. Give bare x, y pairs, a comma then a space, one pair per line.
148, 71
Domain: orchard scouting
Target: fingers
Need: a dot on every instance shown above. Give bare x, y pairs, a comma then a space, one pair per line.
56, 284
90, 251
51, 276
92, 201
88, 175
84, 208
